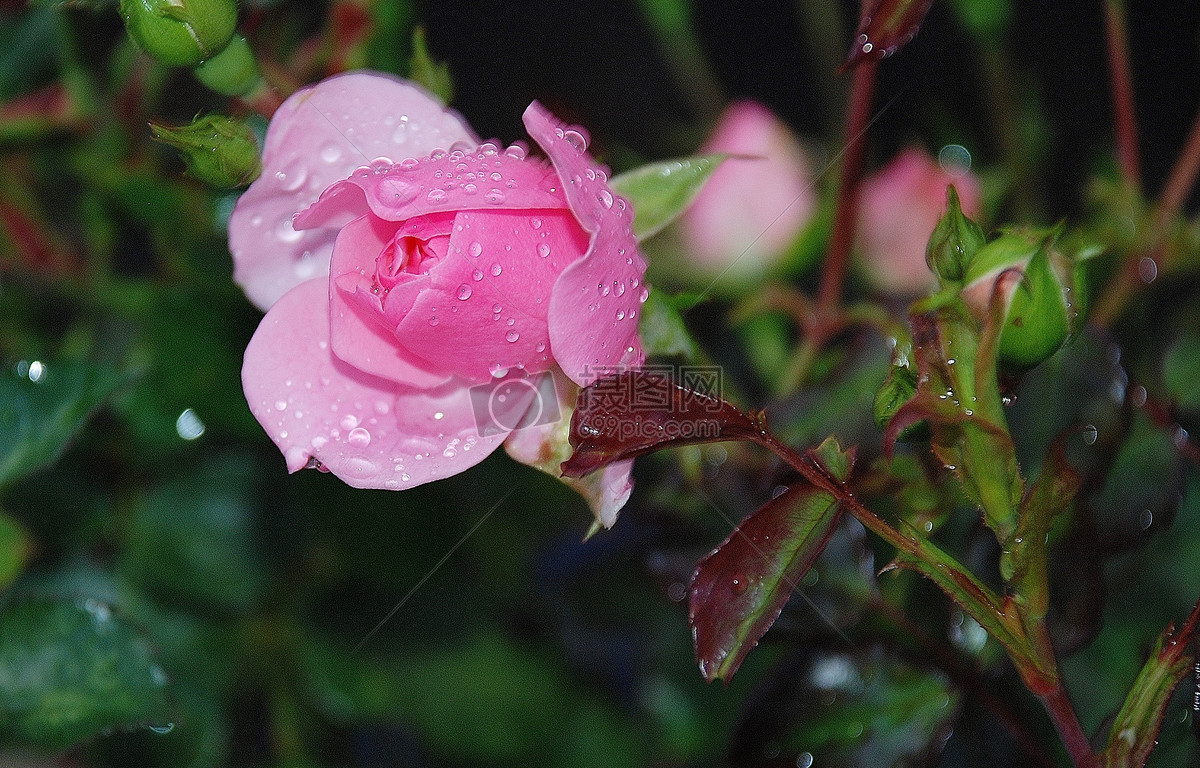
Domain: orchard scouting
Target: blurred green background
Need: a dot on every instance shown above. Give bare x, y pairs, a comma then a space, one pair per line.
171, 597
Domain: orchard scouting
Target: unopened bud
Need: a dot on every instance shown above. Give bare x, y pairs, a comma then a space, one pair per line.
953, 243
180, 33
217, 150
899, 386
232, 72
1033, 283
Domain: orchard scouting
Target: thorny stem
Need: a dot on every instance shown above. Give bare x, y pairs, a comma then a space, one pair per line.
1125, 113
1028, 643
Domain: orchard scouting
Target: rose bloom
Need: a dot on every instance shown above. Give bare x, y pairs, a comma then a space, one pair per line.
899, 206
440, 297
757, 202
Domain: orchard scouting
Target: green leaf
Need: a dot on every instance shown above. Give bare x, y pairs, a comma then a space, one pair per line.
70, 670
1181, 370
434, 75
16, 547
191, 537
662, 329
43, 406
661, 191
740, 587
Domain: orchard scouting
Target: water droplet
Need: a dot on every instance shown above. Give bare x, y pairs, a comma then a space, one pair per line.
618, 288
606, 198
576, 139
404, 476
477, 275
496, 270
494, 196
543, 250
475, 250
535, 222
497, 309
449, 453
464, 292
281, 405
620, 314
433, 320
349, 421
645, 295
516, 151
511, 321
512, 336
435, 196
541, 347
331, 153
470, 189
439, 416
161, 730
359, 437
286, 233
291, 178
1090, 433
1147, 270
602, 289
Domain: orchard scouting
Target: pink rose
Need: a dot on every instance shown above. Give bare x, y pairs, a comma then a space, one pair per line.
899, 206
757, 202
434, 303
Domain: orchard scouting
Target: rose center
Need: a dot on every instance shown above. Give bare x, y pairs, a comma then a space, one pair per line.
408, 254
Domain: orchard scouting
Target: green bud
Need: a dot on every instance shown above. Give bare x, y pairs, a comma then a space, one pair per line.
180, 33
899, 386
232, 72
1035, 282
218, 150
953, 243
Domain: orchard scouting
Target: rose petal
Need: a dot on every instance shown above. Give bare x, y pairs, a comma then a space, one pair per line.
360, 427
482, 178
494, 262
547, 445
358, 333
319, 136
595, 302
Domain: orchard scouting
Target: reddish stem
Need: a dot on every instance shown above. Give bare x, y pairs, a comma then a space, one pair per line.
1125, 112
1183, 175
1058, 705
862, 96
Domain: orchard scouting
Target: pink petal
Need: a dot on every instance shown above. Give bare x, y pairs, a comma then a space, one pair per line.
487, 304
482, 178
594, 305
757, 202
900, 205
357, 333
319, 136
364, 429
546, 445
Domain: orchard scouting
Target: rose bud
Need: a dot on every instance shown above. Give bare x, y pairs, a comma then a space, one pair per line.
437, 302
232, 72
756, 203
953, 243
180, 33
217, 150
1033, 281
899, 208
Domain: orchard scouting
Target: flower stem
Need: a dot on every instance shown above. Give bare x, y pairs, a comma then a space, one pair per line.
1125, 112
862, 96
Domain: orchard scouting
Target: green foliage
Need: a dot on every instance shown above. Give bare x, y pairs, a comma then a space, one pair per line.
69, 670
661, 191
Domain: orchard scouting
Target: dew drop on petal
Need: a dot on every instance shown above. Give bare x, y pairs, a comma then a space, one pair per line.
464, 292
331, 153
620, 314
433, 320
286, 232
475, 250
477, 275
281, 405
497, 309
512, 336
541, 347
496, 270
349, 421
435, 196
543, 250
495, 196
359, 437
470, 188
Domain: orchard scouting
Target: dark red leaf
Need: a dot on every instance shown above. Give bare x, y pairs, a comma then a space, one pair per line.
740, 587
885, 29
636, 412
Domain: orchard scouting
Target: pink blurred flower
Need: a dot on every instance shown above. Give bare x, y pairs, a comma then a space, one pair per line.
422, 312
899, 206
757, 202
